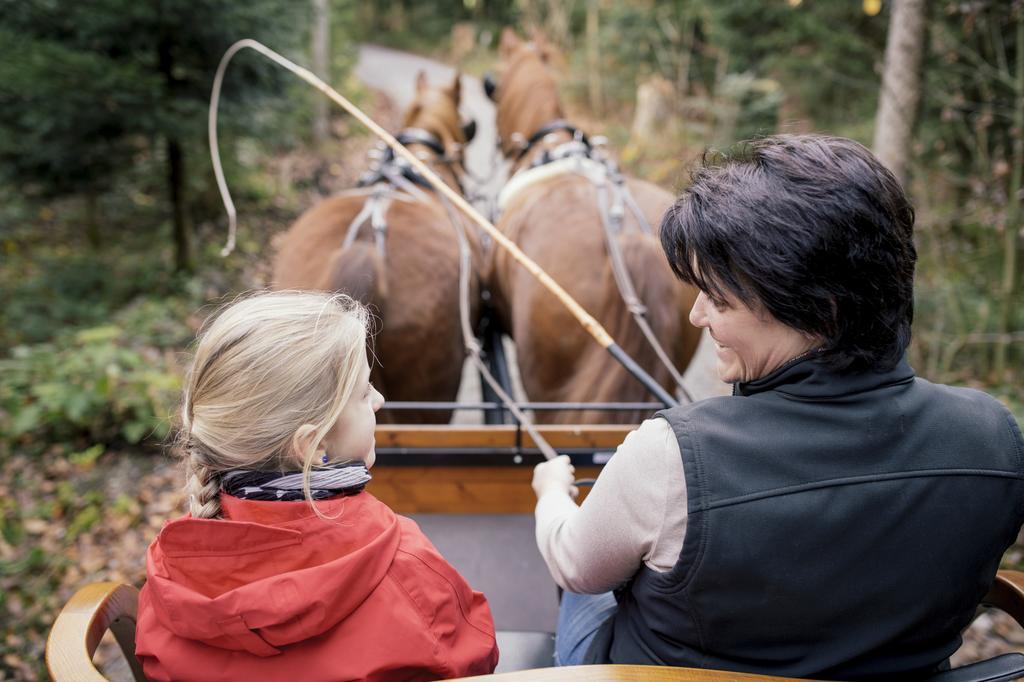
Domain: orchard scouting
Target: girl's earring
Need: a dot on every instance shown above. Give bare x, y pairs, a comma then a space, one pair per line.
324, 458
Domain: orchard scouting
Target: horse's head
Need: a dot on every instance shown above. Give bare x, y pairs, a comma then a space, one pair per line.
524, 88
436, 110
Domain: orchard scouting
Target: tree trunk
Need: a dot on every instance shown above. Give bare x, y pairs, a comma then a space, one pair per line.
595, 91
686, 40
396, 19
175, 162
176, 184
321, 66
557, 25
653, 117
901, 86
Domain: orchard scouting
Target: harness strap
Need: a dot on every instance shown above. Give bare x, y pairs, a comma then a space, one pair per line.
375, 210
357, 222
577, 157
389, 163
612, 221
426, 138
558, 125
614, 198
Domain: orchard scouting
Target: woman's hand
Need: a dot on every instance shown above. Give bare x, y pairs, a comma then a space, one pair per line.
555, 475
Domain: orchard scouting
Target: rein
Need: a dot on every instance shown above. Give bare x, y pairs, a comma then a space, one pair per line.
582, 316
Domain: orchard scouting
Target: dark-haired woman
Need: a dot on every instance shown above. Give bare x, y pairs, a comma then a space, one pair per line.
837, 516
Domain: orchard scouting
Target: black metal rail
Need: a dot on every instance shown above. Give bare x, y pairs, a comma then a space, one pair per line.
483, 456
538, 406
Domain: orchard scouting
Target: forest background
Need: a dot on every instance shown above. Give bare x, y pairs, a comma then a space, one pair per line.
110, 221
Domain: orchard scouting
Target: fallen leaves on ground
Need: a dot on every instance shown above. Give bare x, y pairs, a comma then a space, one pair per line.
64, 525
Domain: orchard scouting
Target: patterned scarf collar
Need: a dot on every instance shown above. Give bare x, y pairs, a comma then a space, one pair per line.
344, 479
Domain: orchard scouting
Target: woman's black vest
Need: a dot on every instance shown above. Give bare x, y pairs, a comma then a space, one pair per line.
840, 526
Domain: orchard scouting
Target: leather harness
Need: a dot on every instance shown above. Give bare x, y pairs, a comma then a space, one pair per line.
389, 164
389, 176
582, 158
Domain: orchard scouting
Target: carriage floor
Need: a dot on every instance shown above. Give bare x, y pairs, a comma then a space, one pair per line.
497, 554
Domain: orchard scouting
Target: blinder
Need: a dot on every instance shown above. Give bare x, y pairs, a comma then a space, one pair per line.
419, 136
386, 162
490, 86
469, 130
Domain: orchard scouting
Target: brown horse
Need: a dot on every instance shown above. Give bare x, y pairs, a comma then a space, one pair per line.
410, 276
557, 221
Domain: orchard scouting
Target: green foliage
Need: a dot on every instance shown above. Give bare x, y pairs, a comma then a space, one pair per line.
91, 90
751, 103
84, 87
829, 75
425, 27
828, 54
646, 38
958, 271
969, 100
93, 383
965, 187
64, 288
73, 129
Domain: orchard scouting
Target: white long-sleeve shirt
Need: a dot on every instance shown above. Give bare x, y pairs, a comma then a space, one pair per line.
636, 513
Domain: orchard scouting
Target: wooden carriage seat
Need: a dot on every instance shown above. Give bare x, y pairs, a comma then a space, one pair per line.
99, 607
80, 626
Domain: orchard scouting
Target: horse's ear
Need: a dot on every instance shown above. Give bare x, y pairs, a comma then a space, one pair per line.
509, 41
421, 81
548, 53
456, 88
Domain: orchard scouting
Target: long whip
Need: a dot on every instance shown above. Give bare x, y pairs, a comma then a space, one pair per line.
591, 325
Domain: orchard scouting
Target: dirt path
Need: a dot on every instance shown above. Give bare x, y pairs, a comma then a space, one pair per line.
393, 73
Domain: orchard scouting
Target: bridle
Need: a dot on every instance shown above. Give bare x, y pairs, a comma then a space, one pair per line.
556, 126
385, 165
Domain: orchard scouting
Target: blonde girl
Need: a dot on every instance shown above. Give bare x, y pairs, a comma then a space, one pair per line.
284, 565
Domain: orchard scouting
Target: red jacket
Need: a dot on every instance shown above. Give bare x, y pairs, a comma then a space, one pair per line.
273, 592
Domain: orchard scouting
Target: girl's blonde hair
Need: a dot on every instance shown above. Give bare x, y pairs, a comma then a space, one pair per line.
263, 368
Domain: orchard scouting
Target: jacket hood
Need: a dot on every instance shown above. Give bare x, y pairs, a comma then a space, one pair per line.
269, 573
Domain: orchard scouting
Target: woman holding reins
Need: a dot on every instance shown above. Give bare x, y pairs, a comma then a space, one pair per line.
837, 516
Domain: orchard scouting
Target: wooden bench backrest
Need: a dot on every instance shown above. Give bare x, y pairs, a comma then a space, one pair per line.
99, 607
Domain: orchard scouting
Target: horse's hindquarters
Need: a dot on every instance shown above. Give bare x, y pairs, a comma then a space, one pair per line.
412, 288
559, 225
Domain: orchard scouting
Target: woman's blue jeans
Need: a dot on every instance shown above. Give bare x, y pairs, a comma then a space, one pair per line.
579, 617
